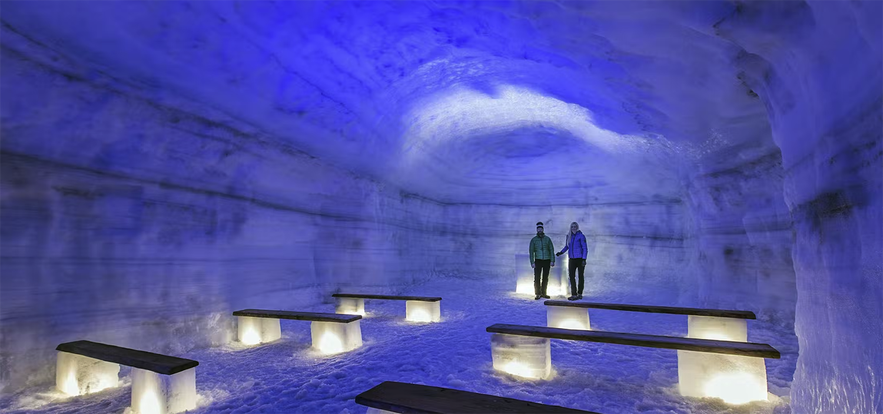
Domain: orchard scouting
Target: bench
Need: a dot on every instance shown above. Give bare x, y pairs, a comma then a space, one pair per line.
331, 333
706, 367
729, 325
160, 383
417, 308
400, 397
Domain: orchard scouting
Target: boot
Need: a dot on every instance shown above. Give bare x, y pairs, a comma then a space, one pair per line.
537, 298
571, 298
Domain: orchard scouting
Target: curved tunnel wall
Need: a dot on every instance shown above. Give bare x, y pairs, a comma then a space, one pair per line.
136, 188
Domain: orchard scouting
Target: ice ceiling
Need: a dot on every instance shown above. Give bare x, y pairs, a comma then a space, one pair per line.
446, 100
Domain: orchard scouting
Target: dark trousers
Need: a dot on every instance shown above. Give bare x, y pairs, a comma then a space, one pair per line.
572, 266
539, 285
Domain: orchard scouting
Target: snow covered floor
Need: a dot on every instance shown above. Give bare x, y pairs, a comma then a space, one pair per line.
289, 377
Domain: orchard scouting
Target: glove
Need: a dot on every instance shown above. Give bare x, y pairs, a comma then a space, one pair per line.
558, 254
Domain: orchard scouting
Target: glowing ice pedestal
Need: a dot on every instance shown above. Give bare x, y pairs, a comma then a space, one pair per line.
567, 317
422, 311
334, 337
154, 393
523, 356
350, 306
253, 331
79, 375
723, 329
732, 378
524, 277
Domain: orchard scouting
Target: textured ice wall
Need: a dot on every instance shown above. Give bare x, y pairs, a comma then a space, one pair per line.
817, 67
139, 224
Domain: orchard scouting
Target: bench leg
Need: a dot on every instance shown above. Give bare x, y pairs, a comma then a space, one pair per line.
154, 393
334, 337
421, 311
567, 318
709, 327
350, 306
733, 378
254, 331
523, 356
79, 375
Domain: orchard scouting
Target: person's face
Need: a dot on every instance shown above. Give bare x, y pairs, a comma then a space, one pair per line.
574, 228
539, 231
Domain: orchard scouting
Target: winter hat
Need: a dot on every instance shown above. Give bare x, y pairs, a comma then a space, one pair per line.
540, 225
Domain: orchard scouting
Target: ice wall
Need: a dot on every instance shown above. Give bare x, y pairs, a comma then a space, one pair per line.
138, 223
817, 67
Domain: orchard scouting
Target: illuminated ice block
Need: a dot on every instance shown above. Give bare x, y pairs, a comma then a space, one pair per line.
334, 337
154, 393
350, 306
422, 311
524, 277
724, 329
254, 331
733, 378
523, 356
567, 317
79, 375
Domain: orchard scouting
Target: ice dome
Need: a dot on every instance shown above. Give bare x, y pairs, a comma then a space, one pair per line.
166, 163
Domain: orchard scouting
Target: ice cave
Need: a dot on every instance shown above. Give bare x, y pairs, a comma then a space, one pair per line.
377, 206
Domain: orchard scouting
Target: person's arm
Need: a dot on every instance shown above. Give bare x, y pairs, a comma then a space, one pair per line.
566, 247
585, 247
551, 251
530, 250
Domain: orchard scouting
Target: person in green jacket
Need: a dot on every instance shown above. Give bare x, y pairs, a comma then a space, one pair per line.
542, 258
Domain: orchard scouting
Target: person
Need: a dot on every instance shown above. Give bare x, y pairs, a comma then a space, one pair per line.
542, 257
578, 252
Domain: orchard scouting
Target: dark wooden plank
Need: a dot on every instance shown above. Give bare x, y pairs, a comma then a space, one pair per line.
161, 364
719, 313
650, 341
299, 316
388, 297
400, 397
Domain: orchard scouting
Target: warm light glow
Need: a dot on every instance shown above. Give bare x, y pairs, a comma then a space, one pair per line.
70, 385
149, 403
330, 343
736, 388
717, 335
571, 324
518, 369
251, 337
419, 315
524, 289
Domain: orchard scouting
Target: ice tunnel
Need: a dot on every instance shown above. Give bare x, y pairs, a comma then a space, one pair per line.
164, 164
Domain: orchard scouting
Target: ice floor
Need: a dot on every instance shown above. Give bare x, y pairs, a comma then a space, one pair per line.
289, 377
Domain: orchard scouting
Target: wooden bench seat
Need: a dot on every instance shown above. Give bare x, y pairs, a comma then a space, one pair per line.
730, 325
159, 382
331, 332
717, 313
399, 397
298, 316
417, 308
650, 341
706, 367
387, 297
161, 364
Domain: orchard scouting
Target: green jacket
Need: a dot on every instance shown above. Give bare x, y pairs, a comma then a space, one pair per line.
541, 249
